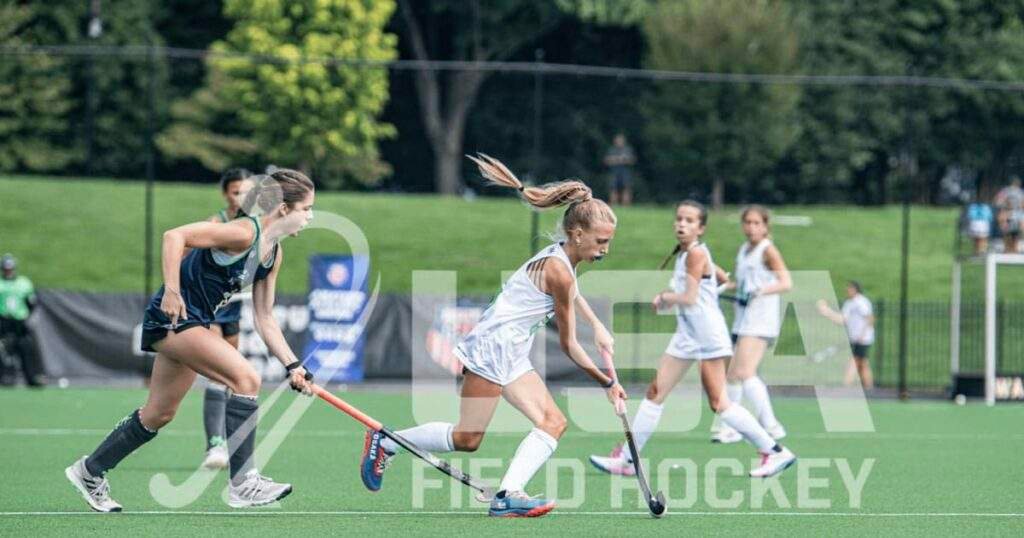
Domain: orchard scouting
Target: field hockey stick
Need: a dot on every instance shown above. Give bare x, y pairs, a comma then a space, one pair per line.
655, 503
730, 298
484, 493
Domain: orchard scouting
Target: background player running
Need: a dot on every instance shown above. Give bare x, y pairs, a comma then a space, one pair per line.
701, 336
234, 185
761, 275
225, 257
495, 355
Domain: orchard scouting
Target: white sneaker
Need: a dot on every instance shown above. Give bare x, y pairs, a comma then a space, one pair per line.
216, 457
773, 463
96, 491
777, 431
615, 463
256, 490
726, 435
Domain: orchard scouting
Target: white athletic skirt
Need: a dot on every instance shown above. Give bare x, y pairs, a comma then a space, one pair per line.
500, 356
700, 337
762, 317
979, 228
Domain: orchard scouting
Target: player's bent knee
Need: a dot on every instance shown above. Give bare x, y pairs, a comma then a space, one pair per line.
654, 394
246, 383
467, 441
554, 423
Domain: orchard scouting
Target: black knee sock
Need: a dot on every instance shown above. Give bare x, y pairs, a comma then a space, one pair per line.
214, 401
241, 413
128, 435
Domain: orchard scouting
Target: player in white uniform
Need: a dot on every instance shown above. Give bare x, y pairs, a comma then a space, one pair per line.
701, 336
495, 355
761, 275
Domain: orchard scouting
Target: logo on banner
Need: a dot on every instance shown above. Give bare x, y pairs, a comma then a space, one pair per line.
451, 324
336, 302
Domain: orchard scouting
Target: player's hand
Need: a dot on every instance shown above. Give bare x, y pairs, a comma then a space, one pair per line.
658, 302
603, 340
301, 381
173, 306
823, 308
616, 393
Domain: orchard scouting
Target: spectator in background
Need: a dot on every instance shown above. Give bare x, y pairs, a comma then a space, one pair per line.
620, 160
1010, 202
978, 224
859, 318
17, 299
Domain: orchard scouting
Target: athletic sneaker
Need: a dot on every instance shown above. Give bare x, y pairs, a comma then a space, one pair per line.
614, 463
519, 504
773, 463
96, 491
375, 460
726, 435
217, 456
256, 490
777, 431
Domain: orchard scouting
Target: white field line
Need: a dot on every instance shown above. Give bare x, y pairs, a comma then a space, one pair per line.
567, 513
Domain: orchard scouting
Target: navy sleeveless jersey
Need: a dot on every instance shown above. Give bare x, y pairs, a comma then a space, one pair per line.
208, 284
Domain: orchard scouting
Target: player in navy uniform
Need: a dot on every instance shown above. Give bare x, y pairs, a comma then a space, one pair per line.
225, 257
234, 185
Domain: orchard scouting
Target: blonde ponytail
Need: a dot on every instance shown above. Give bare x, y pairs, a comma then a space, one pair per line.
583, 211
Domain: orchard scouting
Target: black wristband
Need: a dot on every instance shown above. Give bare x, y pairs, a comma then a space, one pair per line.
610, 384
289, 367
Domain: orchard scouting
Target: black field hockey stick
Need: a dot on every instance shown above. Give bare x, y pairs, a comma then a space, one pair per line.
484, 493
656, 502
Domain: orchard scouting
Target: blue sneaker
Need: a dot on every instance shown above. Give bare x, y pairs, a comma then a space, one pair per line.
375, 460
519, 504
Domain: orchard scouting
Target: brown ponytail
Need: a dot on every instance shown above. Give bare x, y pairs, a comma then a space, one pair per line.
283, 186
675, 252
583, 211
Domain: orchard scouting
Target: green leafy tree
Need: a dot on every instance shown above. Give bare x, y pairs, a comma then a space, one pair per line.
35, 99
720, 135
318, 116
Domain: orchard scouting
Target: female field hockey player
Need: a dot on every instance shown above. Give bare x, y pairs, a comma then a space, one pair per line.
761, 275
701, 336
495, 354
225, 257
234, 185
859, 318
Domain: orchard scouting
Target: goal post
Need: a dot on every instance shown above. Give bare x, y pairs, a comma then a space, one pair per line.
990, 263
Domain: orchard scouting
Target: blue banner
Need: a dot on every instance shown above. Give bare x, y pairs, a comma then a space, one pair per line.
337, 297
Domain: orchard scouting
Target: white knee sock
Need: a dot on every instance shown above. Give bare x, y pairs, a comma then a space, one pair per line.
644, 424
433, 437
739, 419
735, 393
756, 393
535, 449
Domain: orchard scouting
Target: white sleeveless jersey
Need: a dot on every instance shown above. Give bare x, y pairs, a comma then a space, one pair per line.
701, 332
762, 316
499, 345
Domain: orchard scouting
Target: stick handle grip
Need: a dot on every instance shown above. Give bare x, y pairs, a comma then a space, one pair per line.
620, 404
349, 410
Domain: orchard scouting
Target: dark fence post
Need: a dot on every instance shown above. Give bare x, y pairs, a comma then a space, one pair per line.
880, 341
1000, 330
150, 169
538, 133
